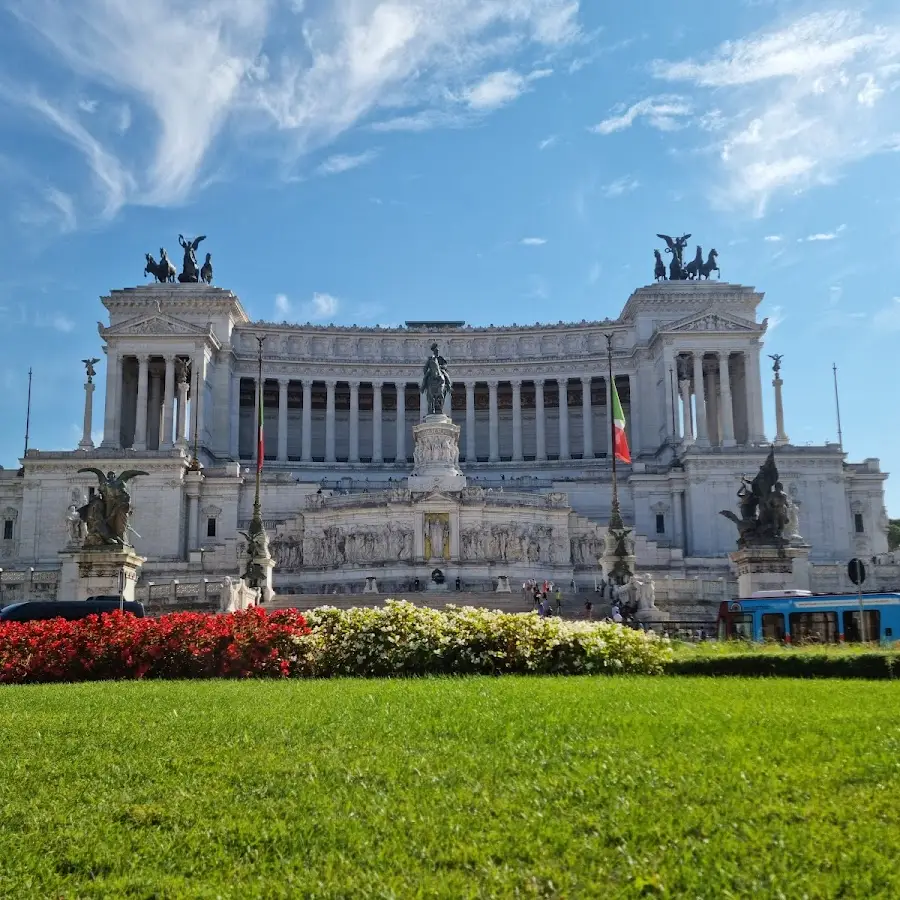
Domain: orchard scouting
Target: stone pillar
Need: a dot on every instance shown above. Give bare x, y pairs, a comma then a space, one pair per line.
86, 442
471, 454
181, 428
517, 420
712, 412
192, 481
168, 416
423, 406
353, 452
377, 443
140, 422
587, 419
329, 420
727, 405
670, 374
540, 436
401, 421
200, 399
234, 436
687, 416
112, 414
634, 413
678, 520
756, 427
780, 437
494, 423
700, 400
306, 435
283, 419
154, 412
562, 385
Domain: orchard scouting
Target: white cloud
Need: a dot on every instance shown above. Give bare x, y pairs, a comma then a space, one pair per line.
495, 90
665, 113
322, 308
775, 317
56, 209
773, 238
533, 241
342, 162
547, 142
823, 235
620, 186
797, 104
424, 120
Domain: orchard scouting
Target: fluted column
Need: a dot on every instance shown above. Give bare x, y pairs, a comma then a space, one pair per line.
353, 453
634, 414
283, 419
401, 421
756, 428
587, 419
727, 405
140, 422
712, 403
306, 434
112, 412
494, 423
517, 420
200, 399
687, 416
168, 416
702, 438
181, 428
781, 437
377, 448
540, 433
471, 454
562, 386
234, 433
329, 420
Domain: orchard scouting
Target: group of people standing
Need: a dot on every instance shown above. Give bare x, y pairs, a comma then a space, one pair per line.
546, 596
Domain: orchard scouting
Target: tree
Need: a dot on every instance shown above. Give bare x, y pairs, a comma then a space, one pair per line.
893, 534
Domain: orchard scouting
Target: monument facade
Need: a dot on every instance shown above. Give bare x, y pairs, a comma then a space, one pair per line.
492, 459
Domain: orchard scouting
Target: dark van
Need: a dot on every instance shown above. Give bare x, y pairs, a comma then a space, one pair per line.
35, 610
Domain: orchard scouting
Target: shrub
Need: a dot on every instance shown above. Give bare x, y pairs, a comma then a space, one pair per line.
399, 639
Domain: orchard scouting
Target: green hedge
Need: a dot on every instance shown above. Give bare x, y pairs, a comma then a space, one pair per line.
875, 664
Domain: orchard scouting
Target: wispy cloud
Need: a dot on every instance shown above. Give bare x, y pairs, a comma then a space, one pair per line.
322, 308
533, 241
665, 113
547, 142
823, 235
773, 238
798, 103
342, 162
775, 317
620, 186
56, 208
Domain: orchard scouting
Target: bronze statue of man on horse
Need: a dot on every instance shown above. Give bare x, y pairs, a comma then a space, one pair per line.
436, 383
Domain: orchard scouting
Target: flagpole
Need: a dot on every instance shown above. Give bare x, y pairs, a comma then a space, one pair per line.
257, 514
27, 415
615, 517
837, 406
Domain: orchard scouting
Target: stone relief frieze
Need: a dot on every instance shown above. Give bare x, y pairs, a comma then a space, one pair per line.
531, 544
339, 545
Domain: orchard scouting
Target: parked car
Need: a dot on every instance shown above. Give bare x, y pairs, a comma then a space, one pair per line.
34, 610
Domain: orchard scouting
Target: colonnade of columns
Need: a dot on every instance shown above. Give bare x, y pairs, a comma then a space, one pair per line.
307, 429
713, 411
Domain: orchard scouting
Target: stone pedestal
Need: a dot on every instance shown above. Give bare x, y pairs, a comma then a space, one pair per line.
86, 442
618, 565
371, 586
503, 585
436, 457
101, 572
771, 569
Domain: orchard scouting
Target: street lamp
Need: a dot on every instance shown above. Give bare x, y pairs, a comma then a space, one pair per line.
150, 585
174, 592
31, 583
202, 551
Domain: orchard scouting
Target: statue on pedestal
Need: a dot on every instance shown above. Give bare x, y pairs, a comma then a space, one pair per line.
189, 271
678, 270
764, 508
106, 515
163, 271
436, 383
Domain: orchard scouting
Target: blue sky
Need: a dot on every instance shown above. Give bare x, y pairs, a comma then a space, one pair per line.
499, 161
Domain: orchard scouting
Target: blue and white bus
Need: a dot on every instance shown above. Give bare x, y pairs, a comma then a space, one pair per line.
801, 617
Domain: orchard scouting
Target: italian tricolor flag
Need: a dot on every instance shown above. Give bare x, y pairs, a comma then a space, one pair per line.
260, 438
620, 440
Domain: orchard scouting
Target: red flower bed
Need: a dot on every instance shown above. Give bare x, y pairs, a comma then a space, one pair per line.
246, 644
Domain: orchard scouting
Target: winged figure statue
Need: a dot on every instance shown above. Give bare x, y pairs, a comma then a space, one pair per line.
189, 272
89, 368
107, 513
676, 246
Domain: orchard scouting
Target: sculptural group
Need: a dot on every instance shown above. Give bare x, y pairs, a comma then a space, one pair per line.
765, 509
106, 515
679, 270
436, 383
164, 272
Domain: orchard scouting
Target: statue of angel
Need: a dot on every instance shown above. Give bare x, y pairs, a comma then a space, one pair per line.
89, 368
106, 514
189, 268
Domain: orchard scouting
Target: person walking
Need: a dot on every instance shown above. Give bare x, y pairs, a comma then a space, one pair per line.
558, 601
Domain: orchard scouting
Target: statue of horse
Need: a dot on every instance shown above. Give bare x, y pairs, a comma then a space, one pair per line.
693, 268
659, 270
163, 270
710, 265
436, 383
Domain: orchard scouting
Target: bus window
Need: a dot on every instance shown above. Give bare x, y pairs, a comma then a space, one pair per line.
814, 628
741, 626
851, 625
773, 627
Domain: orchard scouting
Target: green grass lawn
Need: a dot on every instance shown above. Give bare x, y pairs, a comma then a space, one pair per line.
508, 787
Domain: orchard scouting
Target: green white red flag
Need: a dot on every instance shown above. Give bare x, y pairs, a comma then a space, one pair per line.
620, 439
